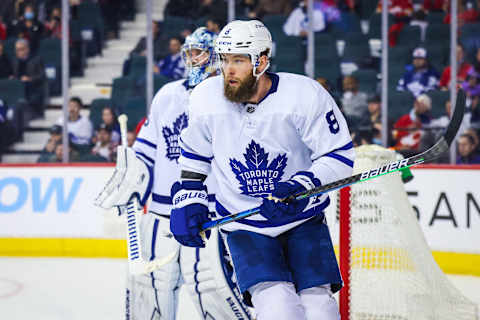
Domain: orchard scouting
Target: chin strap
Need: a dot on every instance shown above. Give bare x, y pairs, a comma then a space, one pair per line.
255, 63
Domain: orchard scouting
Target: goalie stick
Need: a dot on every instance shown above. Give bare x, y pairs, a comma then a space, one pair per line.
442, 145
136, 264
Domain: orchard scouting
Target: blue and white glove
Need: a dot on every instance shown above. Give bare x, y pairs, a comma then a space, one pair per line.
277, 211
189, 213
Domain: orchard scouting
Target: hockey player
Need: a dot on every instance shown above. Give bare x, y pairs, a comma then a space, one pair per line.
263, 134
207, 274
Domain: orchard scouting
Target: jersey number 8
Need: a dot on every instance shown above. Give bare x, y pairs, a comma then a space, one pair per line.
332, 122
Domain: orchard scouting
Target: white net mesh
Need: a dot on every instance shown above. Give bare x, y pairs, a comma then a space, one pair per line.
393, 275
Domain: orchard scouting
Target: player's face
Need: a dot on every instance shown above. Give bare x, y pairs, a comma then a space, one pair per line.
239, 83
194, 57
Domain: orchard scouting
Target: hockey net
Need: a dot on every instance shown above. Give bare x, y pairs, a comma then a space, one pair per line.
387, 267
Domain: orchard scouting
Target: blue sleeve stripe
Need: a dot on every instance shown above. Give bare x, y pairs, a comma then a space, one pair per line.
152, 162
340, 158
146, 142
194, 156
348, 146
161, 199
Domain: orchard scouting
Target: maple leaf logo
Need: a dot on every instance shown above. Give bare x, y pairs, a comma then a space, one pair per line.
257, 177
171, 136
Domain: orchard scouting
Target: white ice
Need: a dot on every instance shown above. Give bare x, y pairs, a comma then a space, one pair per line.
71, 289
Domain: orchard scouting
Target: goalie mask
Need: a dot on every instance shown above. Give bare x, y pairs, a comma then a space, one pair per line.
199, 56
245, 37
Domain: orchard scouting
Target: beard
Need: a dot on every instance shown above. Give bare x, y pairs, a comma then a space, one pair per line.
243, 93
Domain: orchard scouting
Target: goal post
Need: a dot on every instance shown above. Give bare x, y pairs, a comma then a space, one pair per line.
387, 267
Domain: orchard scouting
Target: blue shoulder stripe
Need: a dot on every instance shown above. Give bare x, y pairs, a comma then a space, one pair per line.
146, 142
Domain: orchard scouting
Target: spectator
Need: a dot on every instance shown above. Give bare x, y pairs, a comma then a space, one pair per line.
462, 70
31, 71
471, 86
466, 13
437, 127
264, 7
397, 8
8, 132
466, 150
79, 127
408, 129
49, 150
6, 70
30, 28
104, 146
74, 156
3, 29
53, 27
172, 65
215, 24
109, 118
419, 77
354, 102
296, 24
375, 118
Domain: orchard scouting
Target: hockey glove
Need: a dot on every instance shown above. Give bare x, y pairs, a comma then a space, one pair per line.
132, 177
189, 213
277, 211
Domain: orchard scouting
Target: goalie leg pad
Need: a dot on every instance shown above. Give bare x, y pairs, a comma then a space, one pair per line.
155, 295
277, 301
319, 303
209, 278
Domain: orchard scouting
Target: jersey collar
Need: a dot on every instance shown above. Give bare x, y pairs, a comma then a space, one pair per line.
273, 88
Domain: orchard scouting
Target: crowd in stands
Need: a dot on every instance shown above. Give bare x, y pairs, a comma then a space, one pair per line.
86, 142
347, 64
30, 49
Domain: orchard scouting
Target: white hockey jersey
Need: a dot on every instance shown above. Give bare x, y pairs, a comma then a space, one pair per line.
296, 127
157, 142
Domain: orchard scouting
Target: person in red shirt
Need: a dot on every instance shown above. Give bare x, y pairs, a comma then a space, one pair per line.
463, 68
3, 29
407, 130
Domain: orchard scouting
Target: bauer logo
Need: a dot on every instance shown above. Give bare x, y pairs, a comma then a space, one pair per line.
386, 168
258, 177
16, 193
171, 136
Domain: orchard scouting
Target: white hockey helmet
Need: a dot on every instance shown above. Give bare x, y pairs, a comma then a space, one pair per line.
245, 37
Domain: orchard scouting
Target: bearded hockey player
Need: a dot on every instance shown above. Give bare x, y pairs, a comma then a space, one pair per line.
265, 134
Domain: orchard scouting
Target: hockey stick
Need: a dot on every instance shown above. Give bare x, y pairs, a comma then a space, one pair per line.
434, 152
136, 264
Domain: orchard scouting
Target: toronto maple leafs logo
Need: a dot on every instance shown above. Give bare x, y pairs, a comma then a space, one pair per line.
171, 136
258, 177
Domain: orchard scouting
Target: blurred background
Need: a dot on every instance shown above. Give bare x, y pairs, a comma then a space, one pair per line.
394, 92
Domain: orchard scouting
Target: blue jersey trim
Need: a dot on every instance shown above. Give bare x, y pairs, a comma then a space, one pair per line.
194, 156
275, 79
340, 158
161, 199
152, 162
348, 146
146, 142
317, 210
